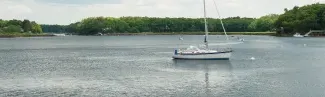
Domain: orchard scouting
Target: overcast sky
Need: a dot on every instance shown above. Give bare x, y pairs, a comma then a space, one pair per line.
68, 11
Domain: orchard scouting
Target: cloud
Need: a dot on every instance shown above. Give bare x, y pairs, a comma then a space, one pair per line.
80, 1
12, 10
68, 11
19, 9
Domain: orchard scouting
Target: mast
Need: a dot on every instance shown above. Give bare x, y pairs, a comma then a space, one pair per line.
205, 26
223, 27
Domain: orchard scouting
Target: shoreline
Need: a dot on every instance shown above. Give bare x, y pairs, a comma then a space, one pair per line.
16, 35
24, 35
193, 33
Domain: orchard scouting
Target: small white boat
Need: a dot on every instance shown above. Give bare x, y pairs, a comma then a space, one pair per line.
59, 34
99, 34
297, 35
195, 53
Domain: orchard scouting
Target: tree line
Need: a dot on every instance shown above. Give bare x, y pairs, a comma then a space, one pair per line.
106, 25
298, 19
94, 25
18, 26
301, 19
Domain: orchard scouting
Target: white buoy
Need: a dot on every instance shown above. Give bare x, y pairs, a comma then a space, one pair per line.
252, 58
305, 45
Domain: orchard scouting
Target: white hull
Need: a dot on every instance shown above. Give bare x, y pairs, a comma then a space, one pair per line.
217, 56
59, 34
297, 35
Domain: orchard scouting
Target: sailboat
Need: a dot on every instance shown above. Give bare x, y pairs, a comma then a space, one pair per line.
205, 53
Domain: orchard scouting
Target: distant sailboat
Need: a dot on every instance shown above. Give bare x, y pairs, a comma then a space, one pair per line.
196, 53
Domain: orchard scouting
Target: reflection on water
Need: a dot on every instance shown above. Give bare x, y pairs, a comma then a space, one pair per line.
203, 65
216, 72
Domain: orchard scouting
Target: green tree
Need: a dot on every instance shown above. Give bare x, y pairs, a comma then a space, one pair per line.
237, 24
27, 26
54, 28
302, 19
94, 25
19, 26
12, 28
14, 22
72, 28
91, 26
265, 23
36, 28
2, 23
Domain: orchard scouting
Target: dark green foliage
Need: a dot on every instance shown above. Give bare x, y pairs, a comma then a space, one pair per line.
106, 25
10, 26
36, 28
302, 19
27, 26
2, 23
265, 23
53, 28
14, 26
237, 24
133, 30
92, 26
298, 19
14, 22
72, 28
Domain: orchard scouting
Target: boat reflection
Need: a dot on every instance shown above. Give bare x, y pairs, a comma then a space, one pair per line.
203, 65
217, 73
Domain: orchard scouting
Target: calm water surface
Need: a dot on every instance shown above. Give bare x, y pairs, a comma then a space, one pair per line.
128, 66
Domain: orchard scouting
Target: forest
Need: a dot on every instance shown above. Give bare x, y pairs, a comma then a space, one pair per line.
106, 25
301, 19
18, 26
298, 19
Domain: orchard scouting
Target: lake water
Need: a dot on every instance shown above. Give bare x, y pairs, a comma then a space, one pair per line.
128, 66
